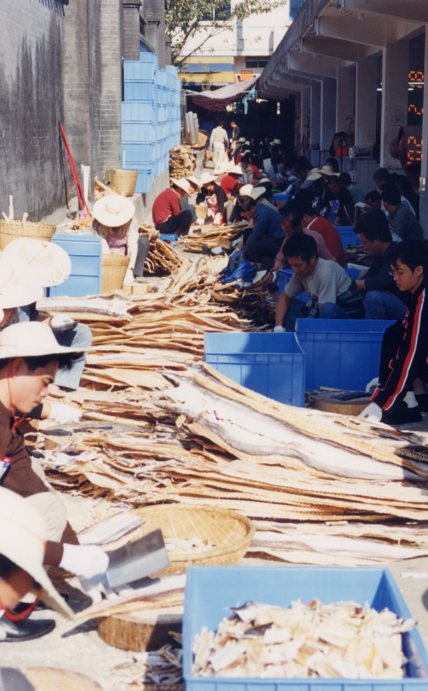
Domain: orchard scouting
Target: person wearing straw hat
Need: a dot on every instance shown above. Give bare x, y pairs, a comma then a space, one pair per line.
29, 358
230, 183
23, 537
114, 220
167, 215
250, 170
267, 235
214, 197
188, 201
238, 148
26, 267
257, 193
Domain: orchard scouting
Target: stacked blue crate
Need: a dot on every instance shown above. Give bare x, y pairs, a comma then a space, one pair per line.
150, 118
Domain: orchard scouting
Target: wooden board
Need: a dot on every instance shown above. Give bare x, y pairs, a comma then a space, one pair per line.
141, 631
327, 403
50, 679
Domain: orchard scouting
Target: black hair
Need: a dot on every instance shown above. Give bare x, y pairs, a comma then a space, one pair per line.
301, 245
294, 218
244, 203
391, 194
334, 179
373, 196
345, 179
374, 226
308, 210
381, 174
64, 360
303, 163
333, 163
245, 158
220, 123
268, 187
412, 253
7, 567
289, 207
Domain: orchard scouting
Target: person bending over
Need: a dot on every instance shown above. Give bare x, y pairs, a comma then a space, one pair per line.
382, 298
403, 223
267, 235
167, 216
332, 293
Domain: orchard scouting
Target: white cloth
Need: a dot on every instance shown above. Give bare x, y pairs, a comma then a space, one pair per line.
219, 136
218, 153
325, 284
85, 561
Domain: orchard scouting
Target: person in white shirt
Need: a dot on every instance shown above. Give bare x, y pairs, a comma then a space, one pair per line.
218, 143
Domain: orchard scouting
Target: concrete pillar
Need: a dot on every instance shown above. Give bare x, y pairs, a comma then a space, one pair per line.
345, 96
328, 111
395, 85
365, 102
305, 115
423, 192
315, 133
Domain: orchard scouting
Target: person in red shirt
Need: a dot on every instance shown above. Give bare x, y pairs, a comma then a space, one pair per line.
167, 216
251, 171
229, 183
313, 221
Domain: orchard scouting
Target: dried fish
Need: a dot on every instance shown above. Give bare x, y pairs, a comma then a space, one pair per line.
110, 529
344, 640
115, 306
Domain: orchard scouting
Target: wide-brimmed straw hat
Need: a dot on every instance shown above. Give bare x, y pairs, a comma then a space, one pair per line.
315, 174
36, 261
182, 184
275, 142
194, 181
31, 339
241, 140
113, 211
23, 538
326, 170
262, 180
235, 170
206, 178
16, 292
251, 191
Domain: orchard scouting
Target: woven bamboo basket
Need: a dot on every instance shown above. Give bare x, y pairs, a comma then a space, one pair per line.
201, 210
124, 181
113, 272
16, 229
226, 533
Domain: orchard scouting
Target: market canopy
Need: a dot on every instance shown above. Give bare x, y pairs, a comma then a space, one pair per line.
218, 99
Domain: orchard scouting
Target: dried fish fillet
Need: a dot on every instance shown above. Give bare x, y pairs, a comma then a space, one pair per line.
343, 640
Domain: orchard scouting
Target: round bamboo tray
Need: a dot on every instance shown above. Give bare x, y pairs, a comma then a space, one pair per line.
113, 272
329, 404
124, 181
230, 532
16, 229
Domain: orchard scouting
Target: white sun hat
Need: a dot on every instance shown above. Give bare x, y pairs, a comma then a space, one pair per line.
246, 190
31, 339
315, 174
182, 184
257, 192
206, 178
241, 140
36, 261
194, 181
235, 170
326, 170
113, 211
275, 142
15, 292
23, 538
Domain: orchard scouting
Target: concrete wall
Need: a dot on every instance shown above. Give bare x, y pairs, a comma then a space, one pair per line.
57, 64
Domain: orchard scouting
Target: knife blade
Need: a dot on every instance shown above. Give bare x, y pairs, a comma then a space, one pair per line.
137, 560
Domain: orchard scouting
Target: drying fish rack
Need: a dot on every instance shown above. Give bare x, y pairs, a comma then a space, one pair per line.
230, 532
210, 592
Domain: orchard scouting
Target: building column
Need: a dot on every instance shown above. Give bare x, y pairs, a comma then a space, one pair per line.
423, 192
305, 113
345, 96
365, 102
316, 113
395, 86
328, 111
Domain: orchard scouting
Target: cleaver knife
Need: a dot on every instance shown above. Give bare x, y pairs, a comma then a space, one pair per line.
136, 560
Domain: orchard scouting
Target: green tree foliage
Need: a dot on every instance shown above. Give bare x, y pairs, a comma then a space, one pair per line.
206, 19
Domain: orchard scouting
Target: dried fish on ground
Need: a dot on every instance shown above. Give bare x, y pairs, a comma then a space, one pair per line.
163, 668
162, 258
182, 161
209, 236
113, 306
344, 640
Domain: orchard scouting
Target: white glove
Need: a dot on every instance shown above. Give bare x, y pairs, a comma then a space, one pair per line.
279, 330
61, 322
373, 413
218, 219
96, 587
372, 385
85, 561
64, 414
129, 277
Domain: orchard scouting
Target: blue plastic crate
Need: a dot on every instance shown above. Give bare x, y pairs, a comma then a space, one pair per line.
271, 366
137, 152
146, 56
169, 237
137, 131
341, 353
348, 236
138, 71
85, 253
139, 91
211, 590
282, 197
137, 111
285, 276
172, 69
144, 180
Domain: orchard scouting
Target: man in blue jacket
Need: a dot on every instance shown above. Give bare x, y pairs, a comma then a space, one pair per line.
382, 298
267, 236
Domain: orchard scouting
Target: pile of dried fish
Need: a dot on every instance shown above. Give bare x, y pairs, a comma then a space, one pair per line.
209, 236
161, 668
356, 254
340, 640
163, 258
182, 162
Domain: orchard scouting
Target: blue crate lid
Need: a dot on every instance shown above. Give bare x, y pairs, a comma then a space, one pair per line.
211, 590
